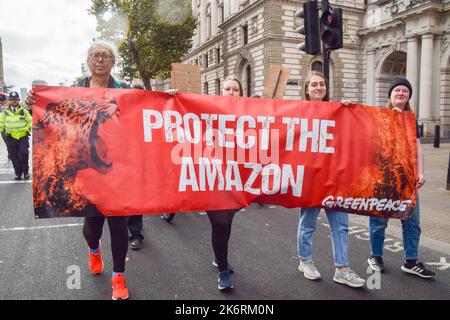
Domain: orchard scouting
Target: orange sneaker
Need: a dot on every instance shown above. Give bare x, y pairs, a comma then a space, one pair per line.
96, 261
120, 291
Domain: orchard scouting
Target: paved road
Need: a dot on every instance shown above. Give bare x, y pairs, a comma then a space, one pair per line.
40, 259
47, 259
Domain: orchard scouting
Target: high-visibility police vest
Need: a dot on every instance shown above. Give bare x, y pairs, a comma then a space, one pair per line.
17, 124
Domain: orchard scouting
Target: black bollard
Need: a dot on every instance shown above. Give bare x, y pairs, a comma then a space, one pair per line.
437, 135
448, 173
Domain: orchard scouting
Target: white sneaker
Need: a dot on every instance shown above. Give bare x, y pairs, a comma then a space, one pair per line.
348, 277
309, 270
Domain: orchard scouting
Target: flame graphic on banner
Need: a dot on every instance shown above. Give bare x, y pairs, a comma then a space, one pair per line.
387, 177
68, 144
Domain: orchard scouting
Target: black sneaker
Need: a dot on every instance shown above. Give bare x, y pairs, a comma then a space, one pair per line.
26, 176
418, 269
136, 243
18, 177
376, 263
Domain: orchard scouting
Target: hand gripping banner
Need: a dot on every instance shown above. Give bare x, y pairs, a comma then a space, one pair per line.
123, 152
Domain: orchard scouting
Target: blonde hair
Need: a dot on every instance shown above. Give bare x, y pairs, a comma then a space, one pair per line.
306, 84
233, 78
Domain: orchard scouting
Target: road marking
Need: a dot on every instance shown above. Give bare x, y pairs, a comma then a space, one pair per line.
443, 264
15, 181
41, 227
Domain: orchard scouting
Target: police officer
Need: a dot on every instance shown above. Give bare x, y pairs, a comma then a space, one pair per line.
17, 122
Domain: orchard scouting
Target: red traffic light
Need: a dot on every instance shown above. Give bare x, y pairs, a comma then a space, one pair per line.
332, 33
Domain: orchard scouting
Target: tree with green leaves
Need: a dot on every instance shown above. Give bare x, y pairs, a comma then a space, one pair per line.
150, 34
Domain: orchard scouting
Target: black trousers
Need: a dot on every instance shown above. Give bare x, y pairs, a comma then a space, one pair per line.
221, 221
18, 151
135, 225
92, 231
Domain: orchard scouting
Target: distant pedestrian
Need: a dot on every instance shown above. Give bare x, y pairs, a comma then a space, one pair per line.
135, 223
258, 96
3, 97
16, 122
400, 92
316, 89
3, 105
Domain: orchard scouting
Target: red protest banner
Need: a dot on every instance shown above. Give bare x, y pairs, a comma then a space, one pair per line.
124, 152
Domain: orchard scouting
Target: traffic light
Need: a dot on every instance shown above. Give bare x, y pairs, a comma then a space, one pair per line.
310, 28
331, 23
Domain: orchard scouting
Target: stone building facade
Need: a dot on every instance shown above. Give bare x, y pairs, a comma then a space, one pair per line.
382, 39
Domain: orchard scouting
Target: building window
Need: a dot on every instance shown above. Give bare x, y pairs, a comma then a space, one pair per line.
205, 87
218, 87
198, 32
316, 66
208, 22
206, 60
221, 13
244, 3
249, 81
245, 34
254, 24
233, 36
218, 55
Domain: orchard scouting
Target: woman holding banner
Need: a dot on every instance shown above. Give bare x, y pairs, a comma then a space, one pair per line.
316, 89
400, 92
101, 59
221, 220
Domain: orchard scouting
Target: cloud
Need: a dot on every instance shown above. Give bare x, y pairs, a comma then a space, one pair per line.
46, 39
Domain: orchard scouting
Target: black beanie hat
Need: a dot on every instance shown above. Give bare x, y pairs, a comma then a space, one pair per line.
400, 81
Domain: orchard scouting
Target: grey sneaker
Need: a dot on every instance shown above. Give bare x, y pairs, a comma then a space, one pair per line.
348, 277
309, 269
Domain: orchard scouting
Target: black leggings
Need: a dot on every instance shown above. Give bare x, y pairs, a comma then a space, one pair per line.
221, 221
92, 231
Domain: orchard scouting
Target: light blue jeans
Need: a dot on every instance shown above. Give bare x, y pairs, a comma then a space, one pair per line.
338, 222
411, 234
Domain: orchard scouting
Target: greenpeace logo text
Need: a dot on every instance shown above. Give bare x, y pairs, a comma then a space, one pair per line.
366, 204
